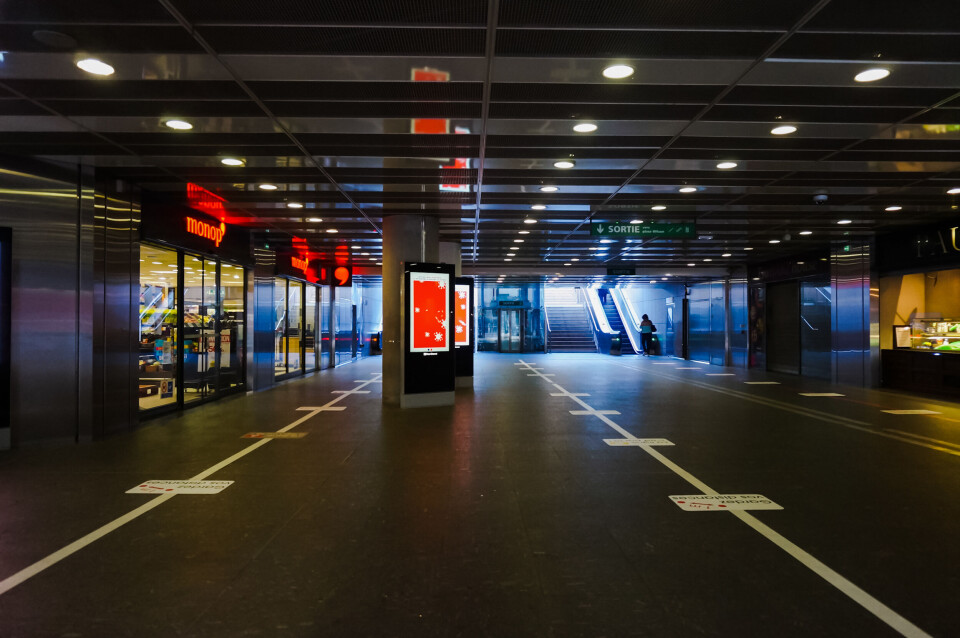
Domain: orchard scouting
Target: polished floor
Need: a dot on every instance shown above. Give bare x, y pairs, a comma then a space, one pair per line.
539, 505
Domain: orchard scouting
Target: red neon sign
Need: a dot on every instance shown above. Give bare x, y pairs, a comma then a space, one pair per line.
300, 264
199, 198
207, 231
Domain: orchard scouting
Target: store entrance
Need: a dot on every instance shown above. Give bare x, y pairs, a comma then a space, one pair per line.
511, 330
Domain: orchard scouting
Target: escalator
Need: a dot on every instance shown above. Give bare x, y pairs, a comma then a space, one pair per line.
613, 318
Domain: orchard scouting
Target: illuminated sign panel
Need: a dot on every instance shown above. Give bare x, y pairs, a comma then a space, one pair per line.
429, 126
199, 198
207, 231
300, 264
429, 312
461, 315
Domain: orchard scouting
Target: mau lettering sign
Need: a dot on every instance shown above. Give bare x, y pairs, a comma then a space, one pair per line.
681, 230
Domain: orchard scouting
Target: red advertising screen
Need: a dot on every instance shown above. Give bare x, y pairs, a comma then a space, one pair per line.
429, 311
461, 315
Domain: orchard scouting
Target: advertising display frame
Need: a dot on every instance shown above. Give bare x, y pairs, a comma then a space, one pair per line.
428, 372
6, 262
464, 350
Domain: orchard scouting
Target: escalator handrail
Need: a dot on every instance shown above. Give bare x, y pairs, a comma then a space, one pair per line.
632, 328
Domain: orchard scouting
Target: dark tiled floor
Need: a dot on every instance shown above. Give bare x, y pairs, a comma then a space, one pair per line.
504, 515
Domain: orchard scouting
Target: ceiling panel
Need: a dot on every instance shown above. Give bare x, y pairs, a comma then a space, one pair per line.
317, 98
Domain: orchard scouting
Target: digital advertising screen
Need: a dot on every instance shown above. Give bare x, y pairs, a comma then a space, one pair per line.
461, 315
429, 312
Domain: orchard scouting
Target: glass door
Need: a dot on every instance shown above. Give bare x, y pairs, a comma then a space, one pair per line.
510, 330
200, 318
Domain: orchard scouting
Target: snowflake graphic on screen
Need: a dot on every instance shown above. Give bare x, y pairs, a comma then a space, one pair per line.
442, 285
459, 329
438, 336
426, 334
462, 294
416, 310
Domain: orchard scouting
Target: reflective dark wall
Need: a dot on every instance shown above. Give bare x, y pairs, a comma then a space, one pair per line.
49, 211
738, 334
855, 315
115, 304
706, 330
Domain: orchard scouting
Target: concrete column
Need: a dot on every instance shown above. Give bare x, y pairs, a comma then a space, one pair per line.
450, 254
406, 238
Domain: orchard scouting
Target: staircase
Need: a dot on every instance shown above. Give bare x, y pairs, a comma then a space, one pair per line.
570, 328
616, 323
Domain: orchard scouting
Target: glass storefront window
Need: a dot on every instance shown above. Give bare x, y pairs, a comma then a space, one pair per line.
157, 367
294, 326
232, 294
199, 327
279, 326
310, 328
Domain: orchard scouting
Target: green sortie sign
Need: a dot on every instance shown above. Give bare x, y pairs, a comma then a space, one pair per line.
683, 230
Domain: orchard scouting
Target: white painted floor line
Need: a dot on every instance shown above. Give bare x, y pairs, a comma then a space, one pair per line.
762, 382
833, 419
28, 572
897, 622
865, 600
910, 412
924, 438
820, 394
720, 374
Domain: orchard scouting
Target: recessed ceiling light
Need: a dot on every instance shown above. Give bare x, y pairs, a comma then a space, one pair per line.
593, 248
688, 189
726, 255
538, 207
518, 241
508, 259
294, 205
606, 241
774, 241
871, 75
784, 130
727, 165
528, 220
708, 259
524, 232
748, 248
179, 125
268, 187
232, 161
618, 71
355, 247
691, 264
567, 264
844, 221
953, 191
332, 230
658, 208
565, 164
893, 209
548, 189
575, 259
373, 259
95, 66
636, 221
511, 254
806, 232
585, 127
314, 219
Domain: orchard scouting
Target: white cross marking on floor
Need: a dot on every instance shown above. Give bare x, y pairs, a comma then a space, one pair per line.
865, 600
28, 572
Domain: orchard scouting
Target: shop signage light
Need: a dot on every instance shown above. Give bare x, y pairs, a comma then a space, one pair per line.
299, 263
199, 198
207, 231
945, 242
